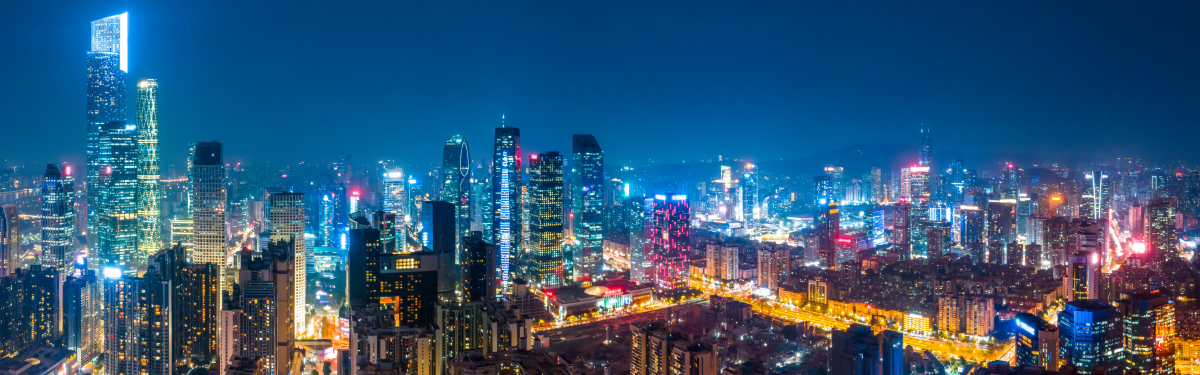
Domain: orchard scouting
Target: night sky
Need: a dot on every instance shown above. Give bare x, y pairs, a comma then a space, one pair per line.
285, 81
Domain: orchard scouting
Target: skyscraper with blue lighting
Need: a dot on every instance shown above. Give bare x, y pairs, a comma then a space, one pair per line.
587, 201
107, 68
506, 201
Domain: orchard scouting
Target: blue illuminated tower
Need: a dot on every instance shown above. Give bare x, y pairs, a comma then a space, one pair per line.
587, 201
506, 200
58, 219
117, 213
107, 67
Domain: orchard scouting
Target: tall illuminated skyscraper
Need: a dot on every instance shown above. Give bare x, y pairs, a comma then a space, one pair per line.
107, 67
10, 239
750, 193
149, 190
587, 199
926, 157
1161, 240
287, 224
208, 204
395, 202
117, 218
669, 239
58, 219
506, 200
456, 187
546, 218
1089, 334
1148, 327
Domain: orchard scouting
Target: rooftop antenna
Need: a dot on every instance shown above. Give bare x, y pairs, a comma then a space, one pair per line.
502, 121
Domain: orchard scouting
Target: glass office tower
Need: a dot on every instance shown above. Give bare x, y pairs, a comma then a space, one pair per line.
587, 201
117, 213
546, 218
107, 66
58, 219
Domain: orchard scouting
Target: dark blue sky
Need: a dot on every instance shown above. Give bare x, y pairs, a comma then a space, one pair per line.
293, 80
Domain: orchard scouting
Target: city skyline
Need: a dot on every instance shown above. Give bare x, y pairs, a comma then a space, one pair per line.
755, 209
784, 85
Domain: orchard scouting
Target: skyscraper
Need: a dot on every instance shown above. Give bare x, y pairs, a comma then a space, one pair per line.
750, 208
926, 157
395, 202
546, 219
107, 67
58, 219
258, 305
1089, 334
506, 200
437, 238
670, 242
1037, 342
187, 294
1148, 325
1161, 241
124, 318
117, 214
10, 239
81, 307
641, 223
287, 224
208, 204
478, 269
149, 190
587, 201
456, 188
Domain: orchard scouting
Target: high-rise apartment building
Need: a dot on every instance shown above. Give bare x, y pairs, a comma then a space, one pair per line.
587, 206
773, 267
58, 219
252, 315
81, 307
149, 191
546, 219
506, 201
125, 314
117, 214
456, 185
286, 217
107, 68
183, 297
208, 204
670, 242
1089, 334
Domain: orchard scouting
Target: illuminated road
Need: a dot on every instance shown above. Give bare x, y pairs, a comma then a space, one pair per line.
969, 351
